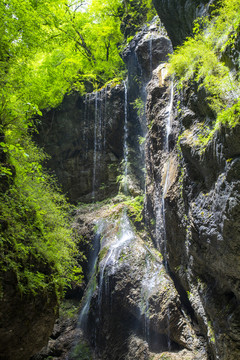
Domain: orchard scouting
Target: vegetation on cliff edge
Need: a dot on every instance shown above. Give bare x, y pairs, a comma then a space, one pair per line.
47, 49
202, 59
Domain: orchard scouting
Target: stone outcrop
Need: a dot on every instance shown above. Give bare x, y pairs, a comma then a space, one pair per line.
184, 303
63, 337
178, 16
143, 54
135, 308
198, 230
26, 321
84, 138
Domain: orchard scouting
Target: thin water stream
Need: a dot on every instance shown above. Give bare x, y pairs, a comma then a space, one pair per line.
165, 185
150, 54
124, 236
91, 277
169, 118
125, 140
95, 147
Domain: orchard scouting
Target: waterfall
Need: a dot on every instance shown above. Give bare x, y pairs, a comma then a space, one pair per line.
164, 192
158, 215
165, 185
146, 311
104, 118
150, 282
169, 119
91, 277
95, 147
150, 56
85, 117
86, 120
101, 278
124, 236
125, 144
99, 137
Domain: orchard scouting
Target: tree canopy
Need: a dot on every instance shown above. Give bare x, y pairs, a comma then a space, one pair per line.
47, 49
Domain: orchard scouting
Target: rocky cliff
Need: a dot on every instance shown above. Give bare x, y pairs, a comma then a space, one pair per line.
84, 139
165, 286
178, 16
199, 197
199, 191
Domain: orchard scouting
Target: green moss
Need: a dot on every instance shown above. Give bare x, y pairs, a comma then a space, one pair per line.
165, 357
135, 207
36, 238
103, 253
211, 332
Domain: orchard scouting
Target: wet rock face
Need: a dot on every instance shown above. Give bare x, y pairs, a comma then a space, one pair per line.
84, 138
63, 337
152, 50
212, 210
146, 50
143, 54
135, 309
201, 211
26, 322
178, 16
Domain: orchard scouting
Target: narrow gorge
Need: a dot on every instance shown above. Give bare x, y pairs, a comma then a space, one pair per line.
156, 207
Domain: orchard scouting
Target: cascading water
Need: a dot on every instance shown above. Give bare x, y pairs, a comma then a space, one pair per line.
114, 244
99, 137
104, 118
146, 289
150, 282
124, 236
150, 55
95, 147
164, 192
125, 144
91, 276
167, 172
169, 118
85, 117
86, 120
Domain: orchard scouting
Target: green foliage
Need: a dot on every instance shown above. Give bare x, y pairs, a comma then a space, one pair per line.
102, 254
135, 207
36, 238
141, 140
47, 49
200, 59
52, 47
139, 106
81, 352
134, 13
